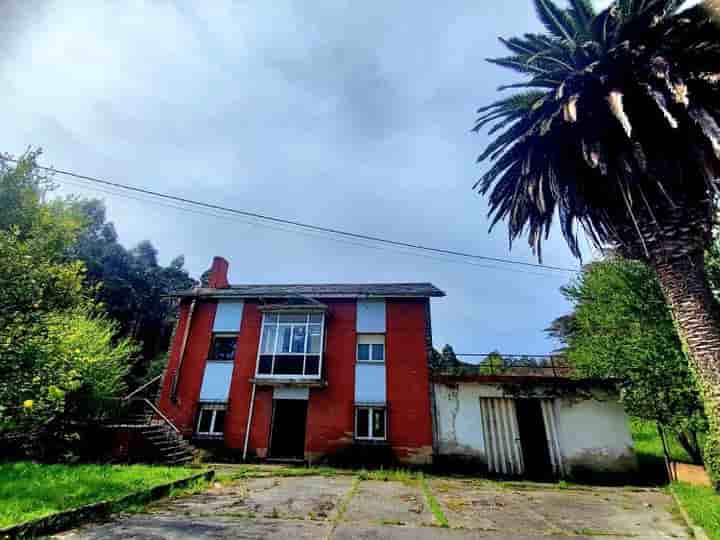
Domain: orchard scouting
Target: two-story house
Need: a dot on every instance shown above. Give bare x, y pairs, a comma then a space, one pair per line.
303, 371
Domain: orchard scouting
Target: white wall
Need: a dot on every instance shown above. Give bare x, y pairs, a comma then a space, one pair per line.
593, 434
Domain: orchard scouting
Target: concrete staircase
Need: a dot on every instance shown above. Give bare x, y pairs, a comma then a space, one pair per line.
163, 441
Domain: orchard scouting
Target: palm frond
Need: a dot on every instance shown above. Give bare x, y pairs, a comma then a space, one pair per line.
616, 128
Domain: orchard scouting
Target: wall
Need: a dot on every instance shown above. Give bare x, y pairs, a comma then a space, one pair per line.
595, 437
593, 434
408, 381
331, 409
182, 411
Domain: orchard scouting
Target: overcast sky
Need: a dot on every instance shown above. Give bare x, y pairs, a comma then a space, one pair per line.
353, 115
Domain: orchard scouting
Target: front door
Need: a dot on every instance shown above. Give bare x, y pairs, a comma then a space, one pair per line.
287, 439
534, 439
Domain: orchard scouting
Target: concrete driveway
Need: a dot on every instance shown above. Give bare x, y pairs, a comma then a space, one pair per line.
343, 507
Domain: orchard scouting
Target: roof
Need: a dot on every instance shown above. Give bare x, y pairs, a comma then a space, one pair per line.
320, 290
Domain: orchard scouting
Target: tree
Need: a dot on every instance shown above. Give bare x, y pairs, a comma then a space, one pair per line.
131, 284
58, 354
621, 328
616, 131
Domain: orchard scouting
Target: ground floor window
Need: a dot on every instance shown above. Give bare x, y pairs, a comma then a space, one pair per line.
370, 423
211, 421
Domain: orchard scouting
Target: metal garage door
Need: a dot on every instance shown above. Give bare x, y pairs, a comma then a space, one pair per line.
502, 437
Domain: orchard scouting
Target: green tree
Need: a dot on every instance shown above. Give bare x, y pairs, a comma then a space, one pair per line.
58, 353
131, 285
621, 328
616, 132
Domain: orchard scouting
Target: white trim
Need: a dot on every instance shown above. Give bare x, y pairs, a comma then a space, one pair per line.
277, 324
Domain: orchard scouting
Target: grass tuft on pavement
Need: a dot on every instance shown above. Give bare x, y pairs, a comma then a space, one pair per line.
433, 503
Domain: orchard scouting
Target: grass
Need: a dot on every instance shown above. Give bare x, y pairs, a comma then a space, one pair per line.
702, 505
433, 503
649, 446
409, 478
32, 490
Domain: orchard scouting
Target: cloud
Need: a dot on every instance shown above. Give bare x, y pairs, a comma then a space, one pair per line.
351, 115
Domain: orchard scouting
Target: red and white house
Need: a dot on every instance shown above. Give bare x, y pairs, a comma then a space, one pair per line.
303, 371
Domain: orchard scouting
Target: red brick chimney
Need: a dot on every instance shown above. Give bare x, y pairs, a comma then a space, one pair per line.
218, 278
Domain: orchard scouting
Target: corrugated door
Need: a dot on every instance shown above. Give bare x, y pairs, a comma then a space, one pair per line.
553, 439
502, 437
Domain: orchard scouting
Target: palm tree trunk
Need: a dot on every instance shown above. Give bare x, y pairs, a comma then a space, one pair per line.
687, 291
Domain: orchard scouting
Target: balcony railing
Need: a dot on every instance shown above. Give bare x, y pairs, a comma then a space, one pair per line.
307, 366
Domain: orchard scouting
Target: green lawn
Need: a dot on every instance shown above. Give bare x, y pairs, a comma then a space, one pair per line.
703, 506
31, 490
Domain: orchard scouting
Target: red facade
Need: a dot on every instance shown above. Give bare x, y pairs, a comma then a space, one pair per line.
330, 417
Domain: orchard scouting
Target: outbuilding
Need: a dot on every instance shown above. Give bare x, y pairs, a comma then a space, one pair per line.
535, 421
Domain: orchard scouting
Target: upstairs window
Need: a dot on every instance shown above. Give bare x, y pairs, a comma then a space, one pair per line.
223, 347
291, 344
371, 348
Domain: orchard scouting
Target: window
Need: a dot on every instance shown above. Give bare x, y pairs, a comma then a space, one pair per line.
371, 348
223, 347
370, 423
211, 421
291, 344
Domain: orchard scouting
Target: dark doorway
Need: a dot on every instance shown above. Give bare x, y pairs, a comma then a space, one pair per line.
287, 440
533, 439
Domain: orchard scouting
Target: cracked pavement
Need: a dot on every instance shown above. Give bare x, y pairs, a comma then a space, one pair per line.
343, 507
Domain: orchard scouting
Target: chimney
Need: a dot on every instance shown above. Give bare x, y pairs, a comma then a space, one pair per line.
218, 278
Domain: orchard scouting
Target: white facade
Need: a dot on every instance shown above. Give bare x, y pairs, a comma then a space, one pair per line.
585, 434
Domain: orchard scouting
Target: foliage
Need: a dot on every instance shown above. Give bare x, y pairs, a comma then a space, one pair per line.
58, 354
702, 505
131, 284
621, 328
617, 126
31, 490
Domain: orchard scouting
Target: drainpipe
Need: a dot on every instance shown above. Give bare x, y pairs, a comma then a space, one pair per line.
249, 422
186, 333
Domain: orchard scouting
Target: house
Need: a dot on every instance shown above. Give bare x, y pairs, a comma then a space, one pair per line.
527, 418
302, 371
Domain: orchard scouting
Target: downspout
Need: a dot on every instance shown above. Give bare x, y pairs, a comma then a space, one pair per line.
186, 333
249, 422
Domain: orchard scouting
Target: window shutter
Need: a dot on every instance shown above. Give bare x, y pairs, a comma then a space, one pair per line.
216, 382
369, 383
371, 316
228, 316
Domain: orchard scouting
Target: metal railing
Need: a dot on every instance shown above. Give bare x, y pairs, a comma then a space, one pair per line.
509, 365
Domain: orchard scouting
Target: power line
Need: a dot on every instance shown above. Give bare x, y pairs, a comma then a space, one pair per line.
294, 223
310, 234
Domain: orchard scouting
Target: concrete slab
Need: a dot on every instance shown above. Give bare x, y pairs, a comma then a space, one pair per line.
388, 503
307, 497
354, 532
613, 512
169, 527
300, 508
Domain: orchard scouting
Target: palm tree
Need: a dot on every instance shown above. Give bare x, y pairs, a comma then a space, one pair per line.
616, 130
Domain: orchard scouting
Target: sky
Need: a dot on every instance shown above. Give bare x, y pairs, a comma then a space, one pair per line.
352, 115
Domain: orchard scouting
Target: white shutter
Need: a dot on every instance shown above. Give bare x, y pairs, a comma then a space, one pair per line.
216, 381
228, 316
371, 316
370, 383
